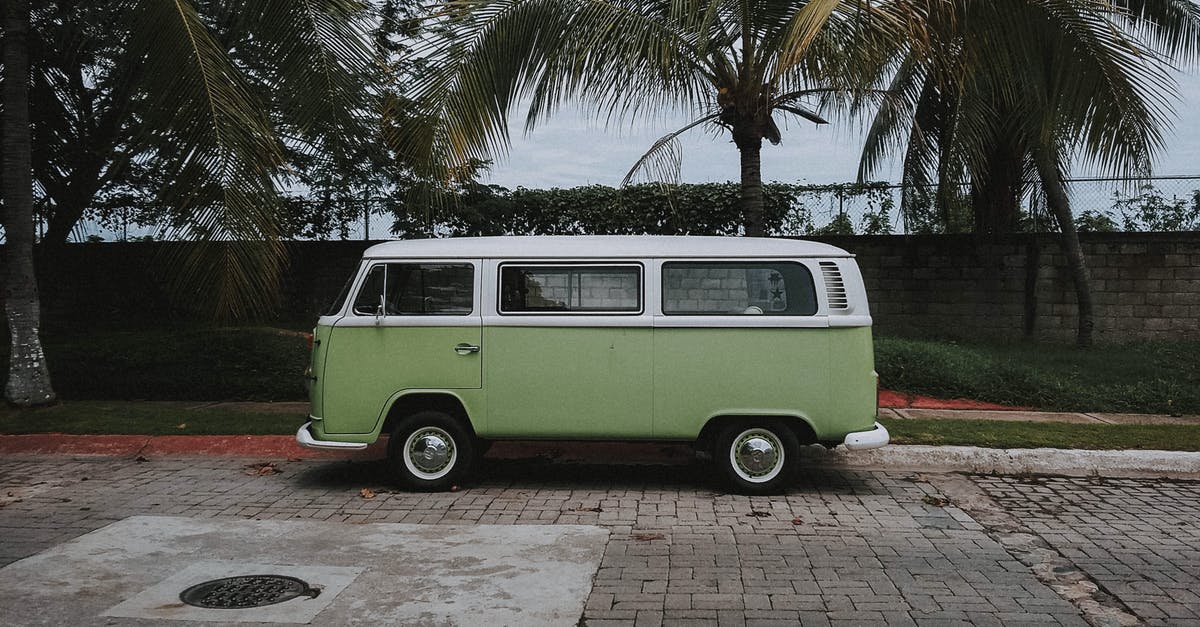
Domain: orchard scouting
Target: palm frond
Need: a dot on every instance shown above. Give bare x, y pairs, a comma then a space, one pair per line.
224, 159
665, 156
320, 60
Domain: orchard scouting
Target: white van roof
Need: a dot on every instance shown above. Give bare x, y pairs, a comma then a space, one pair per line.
601, 246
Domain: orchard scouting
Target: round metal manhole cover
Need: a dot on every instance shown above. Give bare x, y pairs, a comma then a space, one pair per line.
246, 591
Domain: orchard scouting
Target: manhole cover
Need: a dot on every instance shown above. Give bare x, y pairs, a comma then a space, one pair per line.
246, 591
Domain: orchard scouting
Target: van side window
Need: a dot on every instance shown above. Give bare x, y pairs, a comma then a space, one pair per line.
570, 289
421, 289
783, 288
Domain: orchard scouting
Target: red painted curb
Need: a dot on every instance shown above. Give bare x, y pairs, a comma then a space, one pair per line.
274, 446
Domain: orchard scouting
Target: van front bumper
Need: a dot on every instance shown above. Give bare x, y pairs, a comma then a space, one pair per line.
304, 438
863, 440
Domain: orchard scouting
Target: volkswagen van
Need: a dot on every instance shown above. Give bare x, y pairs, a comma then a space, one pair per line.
747, 347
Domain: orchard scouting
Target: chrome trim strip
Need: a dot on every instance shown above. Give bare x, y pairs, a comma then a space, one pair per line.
305, 439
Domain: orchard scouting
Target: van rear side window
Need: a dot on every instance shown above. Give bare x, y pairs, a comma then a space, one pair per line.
570, 289
407, 289
738, 288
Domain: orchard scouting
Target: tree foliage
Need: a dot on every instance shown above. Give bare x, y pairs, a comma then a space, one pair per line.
735, 65
687, 209
1002, 94
194, 116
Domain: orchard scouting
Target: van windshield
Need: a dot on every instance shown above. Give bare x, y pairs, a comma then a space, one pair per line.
340, 301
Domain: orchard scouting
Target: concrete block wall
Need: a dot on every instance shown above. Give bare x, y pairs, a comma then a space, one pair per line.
1146, 285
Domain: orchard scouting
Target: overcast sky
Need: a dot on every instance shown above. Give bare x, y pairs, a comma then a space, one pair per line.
570, 150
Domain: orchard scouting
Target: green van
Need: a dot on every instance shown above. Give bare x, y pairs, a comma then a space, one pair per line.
748, 347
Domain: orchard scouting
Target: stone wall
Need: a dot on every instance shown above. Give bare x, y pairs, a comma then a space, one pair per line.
1146, 286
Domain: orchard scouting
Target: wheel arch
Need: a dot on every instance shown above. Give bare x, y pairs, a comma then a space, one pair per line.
799, 424
409, 402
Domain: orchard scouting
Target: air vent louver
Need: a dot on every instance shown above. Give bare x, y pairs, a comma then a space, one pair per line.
835, 288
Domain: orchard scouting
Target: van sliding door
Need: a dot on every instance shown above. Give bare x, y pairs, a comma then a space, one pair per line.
568, 353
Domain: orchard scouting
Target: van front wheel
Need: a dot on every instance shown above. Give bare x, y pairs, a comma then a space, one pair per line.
430, 451
757, 457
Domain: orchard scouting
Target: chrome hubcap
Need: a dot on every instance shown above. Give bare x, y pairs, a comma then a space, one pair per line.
757, 455
430, 450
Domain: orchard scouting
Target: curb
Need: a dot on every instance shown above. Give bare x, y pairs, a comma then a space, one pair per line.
890, 399
1038, 461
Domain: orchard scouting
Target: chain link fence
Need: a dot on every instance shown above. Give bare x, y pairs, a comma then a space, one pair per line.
1167, 203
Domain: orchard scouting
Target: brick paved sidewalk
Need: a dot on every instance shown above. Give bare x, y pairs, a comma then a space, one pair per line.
841, 547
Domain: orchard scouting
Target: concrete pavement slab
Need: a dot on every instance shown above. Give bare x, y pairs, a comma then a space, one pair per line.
1006, 416
1144, 419
1015, 461
375, 573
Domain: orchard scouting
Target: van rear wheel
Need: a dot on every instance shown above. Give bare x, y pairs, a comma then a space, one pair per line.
757, 456
430, 451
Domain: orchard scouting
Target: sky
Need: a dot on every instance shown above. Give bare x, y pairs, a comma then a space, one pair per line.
570, 149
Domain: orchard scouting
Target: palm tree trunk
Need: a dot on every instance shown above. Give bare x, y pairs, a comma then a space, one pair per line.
28, 378
750, 149
1060, 205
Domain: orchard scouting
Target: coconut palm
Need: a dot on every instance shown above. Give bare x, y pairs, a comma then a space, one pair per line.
29, 380
1004, 94
738, 65
205, 122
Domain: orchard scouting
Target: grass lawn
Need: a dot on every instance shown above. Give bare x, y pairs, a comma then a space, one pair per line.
124, 417
1148, 378
995, 434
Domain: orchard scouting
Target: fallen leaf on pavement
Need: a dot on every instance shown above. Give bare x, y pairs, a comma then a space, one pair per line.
261, 469
646, 537
797, 521
936, 500
757, 514
366, 493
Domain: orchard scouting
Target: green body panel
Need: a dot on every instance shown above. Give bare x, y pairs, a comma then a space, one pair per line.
317, 364
368, 366
471, 399
854, 386
568, 382
702, 373
597, 382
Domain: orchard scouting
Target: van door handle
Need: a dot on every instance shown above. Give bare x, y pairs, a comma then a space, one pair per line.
465, 349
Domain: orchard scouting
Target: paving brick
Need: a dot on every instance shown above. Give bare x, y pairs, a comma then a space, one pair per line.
868, 549
1133, 535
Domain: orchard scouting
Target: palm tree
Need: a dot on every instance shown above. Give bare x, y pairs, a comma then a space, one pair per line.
28, 379
207, 127
737, 64
1003, 93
